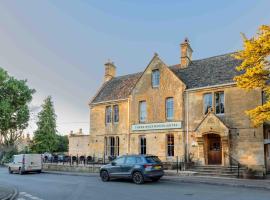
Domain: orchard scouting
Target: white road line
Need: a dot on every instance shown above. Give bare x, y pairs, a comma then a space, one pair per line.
25, 194
22, 193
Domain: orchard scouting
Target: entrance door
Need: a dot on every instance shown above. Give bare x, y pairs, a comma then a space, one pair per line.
214, 149
267, 157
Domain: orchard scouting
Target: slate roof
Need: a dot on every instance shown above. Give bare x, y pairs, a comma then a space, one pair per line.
117, 88
200, 73
209, 71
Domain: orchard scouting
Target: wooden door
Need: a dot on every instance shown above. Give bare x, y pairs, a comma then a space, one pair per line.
214, 150
267, 157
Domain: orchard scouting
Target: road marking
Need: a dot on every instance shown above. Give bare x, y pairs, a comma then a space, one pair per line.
25, 196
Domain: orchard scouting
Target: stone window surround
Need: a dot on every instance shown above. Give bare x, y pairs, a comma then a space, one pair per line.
112, 145
112, 119
154, 75
214, 101
140, 111
142, 147
170, 136
166, 117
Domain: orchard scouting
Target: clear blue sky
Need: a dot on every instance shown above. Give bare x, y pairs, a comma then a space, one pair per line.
61, 46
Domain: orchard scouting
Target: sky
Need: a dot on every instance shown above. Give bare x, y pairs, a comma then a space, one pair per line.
61, 46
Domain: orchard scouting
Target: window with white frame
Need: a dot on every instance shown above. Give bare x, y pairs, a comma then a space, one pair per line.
155, 78
169, 108
115, 113
112, 146
170, 145
142, 111
108, 114
207, 102
219, 98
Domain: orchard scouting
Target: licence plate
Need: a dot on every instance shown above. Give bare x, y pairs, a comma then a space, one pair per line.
157, 167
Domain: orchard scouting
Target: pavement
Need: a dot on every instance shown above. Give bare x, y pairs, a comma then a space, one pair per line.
80, 186
8, 192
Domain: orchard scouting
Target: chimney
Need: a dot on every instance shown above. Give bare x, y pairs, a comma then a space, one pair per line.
186, 53
110, 71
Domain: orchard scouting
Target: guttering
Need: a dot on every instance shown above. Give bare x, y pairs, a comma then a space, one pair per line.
110, 101
212, 86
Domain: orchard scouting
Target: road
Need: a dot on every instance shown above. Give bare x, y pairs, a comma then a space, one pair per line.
57, 187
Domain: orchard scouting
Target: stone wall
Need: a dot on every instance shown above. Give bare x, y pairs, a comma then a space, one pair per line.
245, 142
79, 145
99, 129
70, 168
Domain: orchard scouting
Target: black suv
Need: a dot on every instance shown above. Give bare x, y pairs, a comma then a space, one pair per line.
136, 167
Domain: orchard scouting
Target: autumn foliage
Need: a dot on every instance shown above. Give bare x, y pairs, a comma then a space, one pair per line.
256, 71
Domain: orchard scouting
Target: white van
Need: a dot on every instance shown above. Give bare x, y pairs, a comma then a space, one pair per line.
25, 163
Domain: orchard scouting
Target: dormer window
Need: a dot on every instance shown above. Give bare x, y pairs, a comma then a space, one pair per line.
155, 78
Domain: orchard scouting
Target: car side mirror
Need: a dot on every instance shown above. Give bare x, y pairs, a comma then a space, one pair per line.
113, 163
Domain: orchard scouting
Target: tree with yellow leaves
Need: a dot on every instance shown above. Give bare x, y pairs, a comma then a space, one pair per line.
256, 70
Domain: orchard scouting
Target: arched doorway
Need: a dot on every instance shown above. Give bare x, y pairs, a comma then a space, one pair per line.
213, 147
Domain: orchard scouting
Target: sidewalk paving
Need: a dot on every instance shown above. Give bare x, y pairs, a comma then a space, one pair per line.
8, 193
187, 177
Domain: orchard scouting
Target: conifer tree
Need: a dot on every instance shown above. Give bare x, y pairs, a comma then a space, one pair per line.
45, 138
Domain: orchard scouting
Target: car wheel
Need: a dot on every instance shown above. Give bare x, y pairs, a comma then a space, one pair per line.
155, 179
21, 172
137, 178
39, 171
10, 171
104, 176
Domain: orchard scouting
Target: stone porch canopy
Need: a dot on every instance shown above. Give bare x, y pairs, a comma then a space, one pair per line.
206, 72
212, 124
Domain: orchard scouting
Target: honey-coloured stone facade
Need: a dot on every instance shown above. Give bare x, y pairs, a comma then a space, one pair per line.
203, 138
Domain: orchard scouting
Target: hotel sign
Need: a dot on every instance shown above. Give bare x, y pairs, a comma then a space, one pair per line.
156, 126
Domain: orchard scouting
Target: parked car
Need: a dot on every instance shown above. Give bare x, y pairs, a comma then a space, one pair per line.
23, 163
139, 168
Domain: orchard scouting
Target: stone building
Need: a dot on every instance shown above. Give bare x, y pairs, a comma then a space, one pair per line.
78, 145
192, 110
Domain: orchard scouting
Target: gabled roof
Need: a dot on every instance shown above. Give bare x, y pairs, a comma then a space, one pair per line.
200, 73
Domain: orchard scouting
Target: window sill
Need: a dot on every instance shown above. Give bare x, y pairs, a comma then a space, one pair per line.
220, 114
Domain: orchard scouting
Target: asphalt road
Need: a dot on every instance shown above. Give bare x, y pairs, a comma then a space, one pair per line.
57, 187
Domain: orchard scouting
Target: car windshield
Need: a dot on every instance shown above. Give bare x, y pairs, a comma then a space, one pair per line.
152, 159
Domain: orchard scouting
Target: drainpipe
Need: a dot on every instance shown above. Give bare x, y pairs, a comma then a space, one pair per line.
187, 126
128, 138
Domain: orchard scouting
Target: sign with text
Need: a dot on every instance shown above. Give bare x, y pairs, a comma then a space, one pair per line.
156, 126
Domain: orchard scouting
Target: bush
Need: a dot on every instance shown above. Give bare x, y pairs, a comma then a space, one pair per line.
7, 154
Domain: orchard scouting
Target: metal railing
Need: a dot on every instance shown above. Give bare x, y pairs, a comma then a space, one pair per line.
169, 163
233, 162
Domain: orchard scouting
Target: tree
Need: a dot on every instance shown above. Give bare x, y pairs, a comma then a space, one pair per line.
15, 96
62, 143
256, 70
45, 138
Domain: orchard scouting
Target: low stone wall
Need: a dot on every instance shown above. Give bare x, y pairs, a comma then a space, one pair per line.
71, 168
